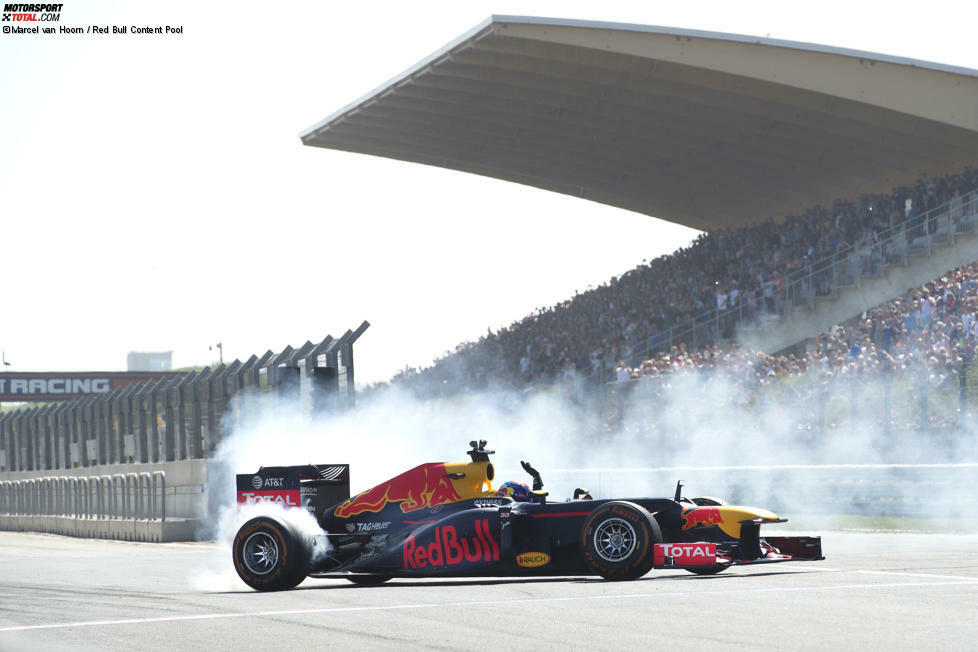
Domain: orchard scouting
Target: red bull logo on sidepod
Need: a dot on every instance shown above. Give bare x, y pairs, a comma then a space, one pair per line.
447, 548
422, 486
704, 516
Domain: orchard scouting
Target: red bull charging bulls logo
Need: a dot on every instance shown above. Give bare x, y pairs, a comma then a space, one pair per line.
704, 516
447, 548
422, 486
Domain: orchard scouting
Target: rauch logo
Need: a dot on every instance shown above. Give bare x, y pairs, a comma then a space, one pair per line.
533, 559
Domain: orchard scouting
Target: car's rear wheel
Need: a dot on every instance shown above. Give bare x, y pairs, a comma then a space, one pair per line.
269, 555
617, 540
368, 580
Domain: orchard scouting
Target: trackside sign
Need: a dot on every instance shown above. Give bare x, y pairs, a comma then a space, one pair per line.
59, 386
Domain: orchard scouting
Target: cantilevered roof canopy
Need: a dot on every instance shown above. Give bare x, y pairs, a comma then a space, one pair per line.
699, 128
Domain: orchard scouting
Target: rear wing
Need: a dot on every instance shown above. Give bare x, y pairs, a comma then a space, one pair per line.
314, 487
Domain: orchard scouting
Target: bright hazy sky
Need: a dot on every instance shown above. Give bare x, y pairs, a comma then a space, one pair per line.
155, 195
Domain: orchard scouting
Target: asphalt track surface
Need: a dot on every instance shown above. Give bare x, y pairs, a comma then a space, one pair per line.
873, 592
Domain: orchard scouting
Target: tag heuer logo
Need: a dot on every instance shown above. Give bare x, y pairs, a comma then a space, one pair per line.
256, 482
350, 527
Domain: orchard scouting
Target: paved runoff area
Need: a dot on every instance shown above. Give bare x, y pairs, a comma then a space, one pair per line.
874, 591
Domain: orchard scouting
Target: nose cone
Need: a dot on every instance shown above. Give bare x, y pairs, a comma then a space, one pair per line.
733, 515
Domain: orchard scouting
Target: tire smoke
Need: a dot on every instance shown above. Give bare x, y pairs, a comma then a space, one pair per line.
722, 438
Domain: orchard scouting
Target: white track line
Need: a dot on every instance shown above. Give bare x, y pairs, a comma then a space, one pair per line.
823, 569
480, 603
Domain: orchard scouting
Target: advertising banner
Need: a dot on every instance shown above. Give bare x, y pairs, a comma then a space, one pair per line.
65, 385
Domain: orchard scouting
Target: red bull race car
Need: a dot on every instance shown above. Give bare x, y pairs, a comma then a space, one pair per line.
445, 520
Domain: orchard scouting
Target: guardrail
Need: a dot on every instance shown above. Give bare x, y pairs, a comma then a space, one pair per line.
125, 496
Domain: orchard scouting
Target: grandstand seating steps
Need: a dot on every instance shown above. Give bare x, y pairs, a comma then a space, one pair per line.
921, 247
896, 270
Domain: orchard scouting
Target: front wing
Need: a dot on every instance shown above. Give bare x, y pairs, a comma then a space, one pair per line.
768, 550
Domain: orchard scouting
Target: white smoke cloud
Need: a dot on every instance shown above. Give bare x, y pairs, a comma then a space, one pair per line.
742, 444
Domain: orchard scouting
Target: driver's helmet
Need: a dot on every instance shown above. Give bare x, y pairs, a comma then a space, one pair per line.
518, 491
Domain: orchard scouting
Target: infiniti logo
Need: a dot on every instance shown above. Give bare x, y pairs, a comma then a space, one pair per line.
256, 482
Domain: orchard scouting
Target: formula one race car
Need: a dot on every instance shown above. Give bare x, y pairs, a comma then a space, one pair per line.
445, 520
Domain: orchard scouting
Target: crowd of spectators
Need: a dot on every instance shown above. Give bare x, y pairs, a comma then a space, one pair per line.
597, 333
922, 342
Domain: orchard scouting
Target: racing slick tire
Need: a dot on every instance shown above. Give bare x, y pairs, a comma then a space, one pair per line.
269, 555
617, 540
368, 580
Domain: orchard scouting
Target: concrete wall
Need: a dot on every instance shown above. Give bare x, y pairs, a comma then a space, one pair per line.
185, 482
121, 529
185, 505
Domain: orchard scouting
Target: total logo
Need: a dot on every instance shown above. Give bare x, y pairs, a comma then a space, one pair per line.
259, 483
447, 548
284, 498
685, 554
532, 559
689, 549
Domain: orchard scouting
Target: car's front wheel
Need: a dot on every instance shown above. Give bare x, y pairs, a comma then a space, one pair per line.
269, 555
617, 540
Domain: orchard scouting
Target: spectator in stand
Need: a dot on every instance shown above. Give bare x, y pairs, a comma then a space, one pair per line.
622, 372
926, 310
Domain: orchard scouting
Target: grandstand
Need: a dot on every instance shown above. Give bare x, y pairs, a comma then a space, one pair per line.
826, 180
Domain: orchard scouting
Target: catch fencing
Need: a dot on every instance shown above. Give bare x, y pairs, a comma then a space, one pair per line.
176, 418
131, 464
